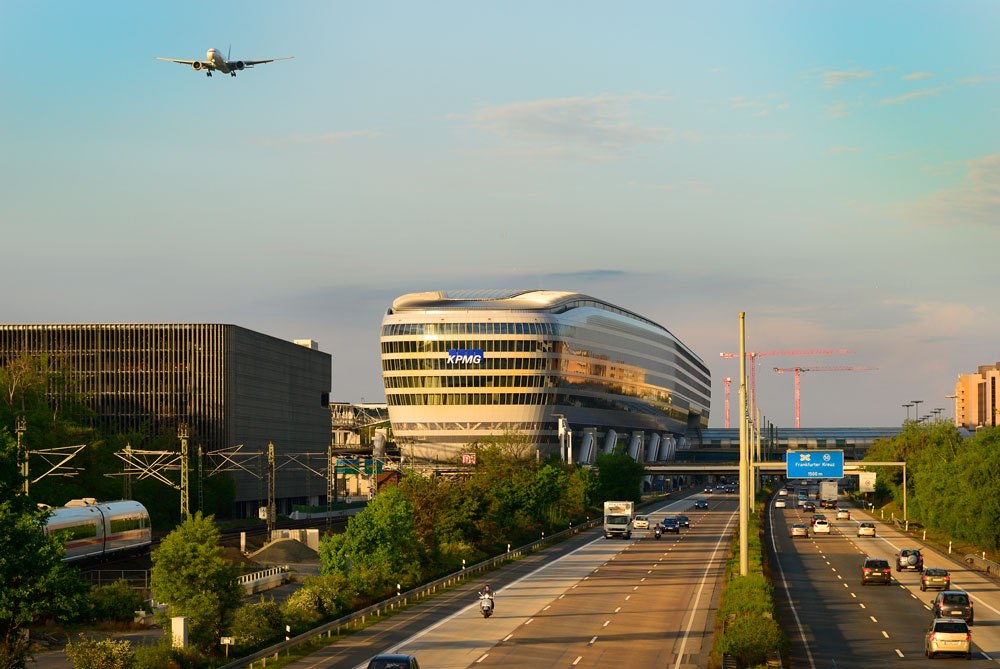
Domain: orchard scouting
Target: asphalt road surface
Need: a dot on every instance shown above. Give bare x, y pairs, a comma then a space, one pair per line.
834, 622
586, 602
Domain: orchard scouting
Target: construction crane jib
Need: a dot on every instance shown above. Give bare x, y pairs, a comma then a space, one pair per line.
797, 370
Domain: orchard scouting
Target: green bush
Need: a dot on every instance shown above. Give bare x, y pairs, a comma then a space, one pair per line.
749, 639
106, 654
163, 656
750, 594
323, 597
118, 601
257, 623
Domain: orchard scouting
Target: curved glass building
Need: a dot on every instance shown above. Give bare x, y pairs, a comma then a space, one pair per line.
466, 364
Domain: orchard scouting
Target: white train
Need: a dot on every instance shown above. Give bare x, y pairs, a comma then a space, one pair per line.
92, 529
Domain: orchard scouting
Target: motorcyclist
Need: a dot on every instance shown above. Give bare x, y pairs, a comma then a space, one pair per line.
487, 593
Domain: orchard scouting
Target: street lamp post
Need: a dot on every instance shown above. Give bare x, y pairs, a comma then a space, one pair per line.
907, 410
916, 412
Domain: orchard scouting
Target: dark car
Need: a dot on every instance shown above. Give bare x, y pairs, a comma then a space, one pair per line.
816, 516
909, 558
953, 604
683, 521
730, 489
670, 524
393, 662
874, 570
809, 506
701, 504
935, 577
708, 488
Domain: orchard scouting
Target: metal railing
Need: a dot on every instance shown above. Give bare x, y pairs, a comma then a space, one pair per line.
246, 578
359, 617
137, 578
982, 564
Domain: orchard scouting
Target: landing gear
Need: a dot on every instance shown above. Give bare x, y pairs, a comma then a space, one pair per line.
232, 74
208, 74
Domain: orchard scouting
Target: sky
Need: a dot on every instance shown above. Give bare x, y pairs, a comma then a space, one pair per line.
832, 169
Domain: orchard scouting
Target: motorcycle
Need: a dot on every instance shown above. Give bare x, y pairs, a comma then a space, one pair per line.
485, 604
657, 532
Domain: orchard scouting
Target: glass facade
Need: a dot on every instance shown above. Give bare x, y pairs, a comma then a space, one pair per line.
536, 357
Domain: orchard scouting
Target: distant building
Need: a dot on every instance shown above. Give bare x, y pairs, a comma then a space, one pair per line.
976, 402
230, 386
459, 366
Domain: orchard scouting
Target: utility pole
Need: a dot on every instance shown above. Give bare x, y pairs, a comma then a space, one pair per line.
128, 476
727, 381
201, 482
744, 454
182, 434
270, 491
22, 454
331, 484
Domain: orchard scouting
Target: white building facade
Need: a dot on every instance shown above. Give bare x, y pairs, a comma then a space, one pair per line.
459, 366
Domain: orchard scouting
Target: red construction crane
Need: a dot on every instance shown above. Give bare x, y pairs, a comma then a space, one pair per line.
816, 369
753, 355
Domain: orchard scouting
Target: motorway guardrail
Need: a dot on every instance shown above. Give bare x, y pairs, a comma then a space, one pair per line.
359, 617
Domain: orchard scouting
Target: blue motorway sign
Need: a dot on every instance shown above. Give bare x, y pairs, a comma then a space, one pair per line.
815, 465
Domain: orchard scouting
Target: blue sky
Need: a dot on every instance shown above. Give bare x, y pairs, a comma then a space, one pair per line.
832, 169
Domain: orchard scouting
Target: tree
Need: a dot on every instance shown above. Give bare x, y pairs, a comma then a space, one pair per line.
380, 546
33, 580
619, 476
191, 576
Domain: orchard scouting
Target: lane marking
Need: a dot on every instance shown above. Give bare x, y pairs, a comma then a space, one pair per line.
861, 605
485, 655
577, 660
885, 634
635, 588
528, 621
592, 640
788, 594
873, 619
704, 577
628, 597
606, 623
900, 653
618, 609
507, 637
547, 607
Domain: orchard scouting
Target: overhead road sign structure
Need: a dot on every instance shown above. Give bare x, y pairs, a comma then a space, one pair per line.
815, 465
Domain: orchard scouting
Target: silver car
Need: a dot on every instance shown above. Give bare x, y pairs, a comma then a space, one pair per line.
948, 635
866, 529
799, 530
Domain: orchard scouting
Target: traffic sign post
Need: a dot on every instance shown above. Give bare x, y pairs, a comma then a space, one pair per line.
815, 465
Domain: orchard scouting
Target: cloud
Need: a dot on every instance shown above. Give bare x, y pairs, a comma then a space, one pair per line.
913, 96
917, 75
973, 201
841, 109
978, 80
599, 123
833, 79
844, 149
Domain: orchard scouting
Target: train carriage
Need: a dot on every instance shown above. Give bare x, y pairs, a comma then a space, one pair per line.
92, 529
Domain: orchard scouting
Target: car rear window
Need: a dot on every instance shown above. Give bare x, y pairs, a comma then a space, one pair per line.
935, 572
951, 627
961, 600
877, 564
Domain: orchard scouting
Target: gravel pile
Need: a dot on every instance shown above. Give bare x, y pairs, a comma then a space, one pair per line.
285, 551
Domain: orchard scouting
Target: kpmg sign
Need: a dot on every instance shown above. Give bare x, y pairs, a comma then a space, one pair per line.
473, 355
815, 464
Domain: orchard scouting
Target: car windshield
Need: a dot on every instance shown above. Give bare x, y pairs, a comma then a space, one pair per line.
642, 517
959, 600
616, 520
951, 627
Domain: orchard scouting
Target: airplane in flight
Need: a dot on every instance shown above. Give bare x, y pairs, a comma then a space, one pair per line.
214, 62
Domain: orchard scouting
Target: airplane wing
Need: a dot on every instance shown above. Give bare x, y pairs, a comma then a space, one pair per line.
251, 63
186, 62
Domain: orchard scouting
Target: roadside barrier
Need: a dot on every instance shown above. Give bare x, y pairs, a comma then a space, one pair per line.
982, 564
358, 618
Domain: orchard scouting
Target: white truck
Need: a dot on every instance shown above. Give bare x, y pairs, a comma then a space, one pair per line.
618, 520
828, 494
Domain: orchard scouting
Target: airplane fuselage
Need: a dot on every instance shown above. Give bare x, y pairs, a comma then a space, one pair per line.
218, 61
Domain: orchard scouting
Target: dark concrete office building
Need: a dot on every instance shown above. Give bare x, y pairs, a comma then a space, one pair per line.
230, 385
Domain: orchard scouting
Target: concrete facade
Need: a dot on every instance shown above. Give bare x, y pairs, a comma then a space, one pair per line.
976, 402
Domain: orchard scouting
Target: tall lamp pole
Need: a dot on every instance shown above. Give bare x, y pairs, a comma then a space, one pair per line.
744, 454
916, 412
907, 406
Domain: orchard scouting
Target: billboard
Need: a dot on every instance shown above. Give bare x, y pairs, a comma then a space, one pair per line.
866, 481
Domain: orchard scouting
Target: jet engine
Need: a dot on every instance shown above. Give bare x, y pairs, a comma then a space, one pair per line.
239, 65
196, 65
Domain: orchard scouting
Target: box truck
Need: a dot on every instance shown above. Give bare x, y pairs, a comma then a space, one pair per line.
618, 520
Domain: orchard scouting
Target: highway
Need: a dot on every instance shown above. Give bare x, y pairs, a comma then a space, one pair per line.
834, 622
587, 602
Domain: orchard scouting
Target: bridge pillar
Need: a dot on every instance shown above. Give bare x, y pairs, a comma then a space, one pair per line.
586, 455
610, 440
635, 446
652, 447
